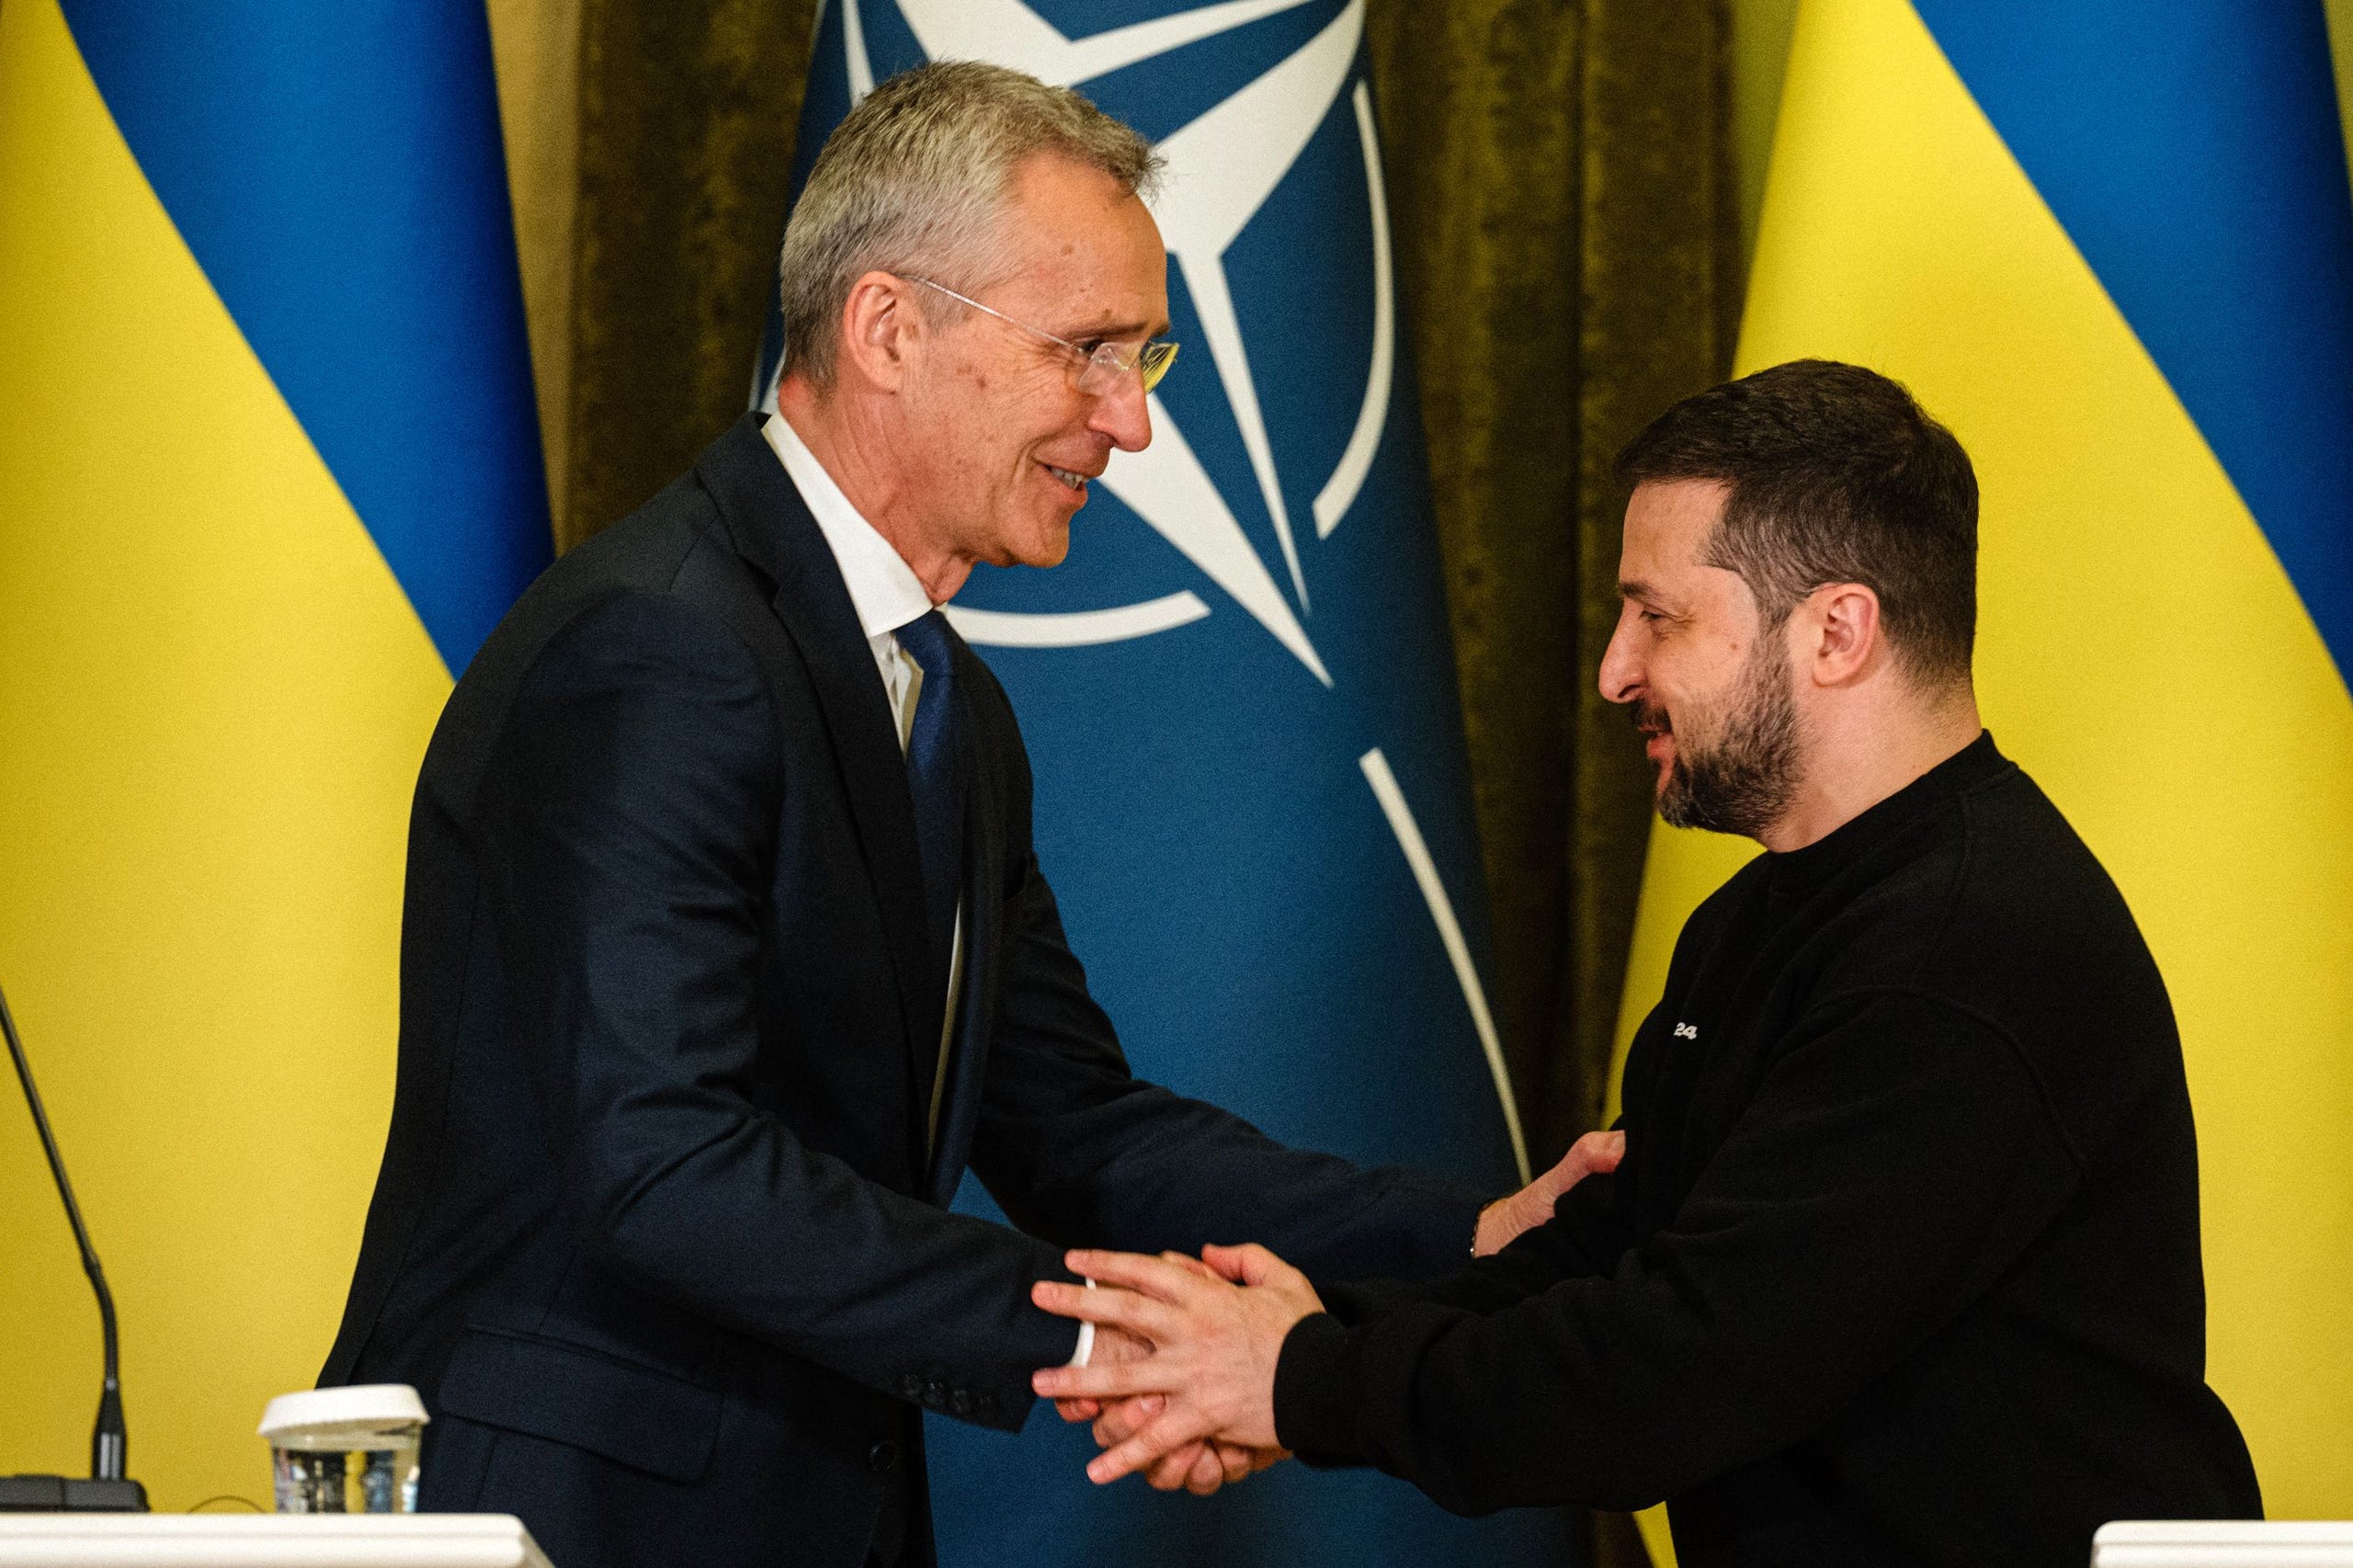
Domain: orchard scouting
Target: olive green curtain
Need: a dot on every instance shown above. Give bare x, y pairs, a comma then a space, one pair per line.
1560, 173
1568, 243
688, 109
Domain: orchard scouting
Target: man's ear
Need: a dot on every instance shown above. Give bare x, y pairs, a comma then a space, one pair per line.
881, 330
1848, 636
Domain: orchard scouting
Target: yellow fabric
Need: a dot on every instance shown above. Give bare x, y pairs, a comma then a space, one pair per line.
1656, 1538
2140, 654
213, 697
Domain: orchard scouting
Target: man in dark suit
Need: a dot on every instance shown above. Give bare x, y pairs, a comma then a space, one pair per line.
726, 950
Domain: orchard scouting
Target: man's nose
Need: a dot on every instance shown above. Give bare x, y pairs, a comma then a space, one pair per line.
1122, 415
1621, 675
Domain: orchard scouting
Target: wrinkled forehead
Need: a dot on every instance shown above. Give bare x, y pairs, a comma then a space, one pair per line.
1070, 231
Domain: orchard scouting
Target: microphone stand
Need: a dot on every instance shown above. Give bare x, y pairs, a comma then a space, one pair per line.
107, 1491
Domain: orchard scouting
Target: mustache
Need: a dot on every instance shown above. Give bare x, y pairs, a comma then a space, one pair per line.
1649, 718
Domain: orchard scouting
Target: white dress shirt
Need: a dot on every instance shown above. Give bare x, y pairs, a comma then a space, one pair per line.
887, 594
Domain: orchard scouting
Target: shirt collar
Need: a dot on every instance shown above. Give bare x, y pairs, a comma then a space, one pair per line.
883, 587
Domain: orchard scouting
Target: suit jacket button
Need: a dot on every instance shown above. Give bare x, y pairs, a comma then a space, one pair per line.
911, 1387
935, 1393
960, 1402
883, 1457
990, 1403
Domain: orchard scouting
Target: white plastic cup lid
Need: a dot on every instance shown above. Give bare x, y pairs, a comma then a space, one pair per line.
368, 1410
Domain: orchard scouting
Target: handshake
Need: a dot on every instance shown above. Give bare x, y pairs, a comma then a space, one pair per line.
1181, 1383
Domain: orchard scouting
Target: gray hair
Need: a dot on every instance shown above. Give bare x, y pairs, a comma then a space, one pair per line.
914, 180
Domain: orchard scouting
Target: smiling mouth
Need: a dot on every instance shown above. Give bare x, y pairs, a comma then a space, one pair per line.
1659, 734
1070, 481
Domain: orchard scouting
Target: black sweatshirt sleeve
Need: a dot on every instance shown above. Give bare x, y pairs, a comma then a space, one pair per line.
1897, 1156
1589, 1231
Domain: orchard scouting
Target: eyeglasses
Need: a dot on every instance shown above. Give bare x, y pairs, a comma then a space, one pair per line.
1106, 362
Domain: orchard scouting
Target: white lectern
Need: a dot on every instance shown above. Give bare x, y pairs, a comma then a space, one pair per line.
266, 1541
2223, 1543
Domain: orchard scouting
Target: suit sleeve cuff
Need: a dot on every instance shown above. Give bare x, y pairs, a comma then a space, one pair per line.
1319, 1392
1085, 1339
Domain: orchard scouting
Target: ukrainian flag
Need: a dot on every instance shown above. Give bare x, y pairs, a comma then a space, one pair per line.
2111, 246
270, 471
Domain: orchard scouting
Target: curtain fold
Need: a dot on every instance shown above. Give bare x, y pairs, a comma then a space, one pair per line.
686, 115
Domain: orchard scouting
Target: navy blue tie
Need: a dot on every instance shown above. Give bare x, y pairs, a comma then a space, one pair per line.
935, 778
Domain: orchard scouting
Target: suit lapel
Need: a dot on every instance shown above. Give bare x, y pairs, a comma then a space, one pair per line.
771, 528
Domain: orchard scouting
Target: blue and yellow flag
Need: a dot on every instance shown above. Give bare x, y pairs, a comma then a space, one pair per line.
2111, 246
269, 469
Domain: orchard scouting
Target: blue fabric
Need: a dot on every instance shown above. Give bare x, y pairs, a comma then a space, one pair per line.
336, 171
1246, 912
2194, 154
934, 776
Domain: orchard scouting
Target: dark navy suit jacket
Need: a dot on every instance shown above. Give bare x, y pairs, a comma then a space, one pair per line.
657, 1234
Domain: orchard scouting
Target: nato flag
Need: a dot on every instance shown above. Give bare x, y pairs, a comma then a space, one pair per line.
1239, 697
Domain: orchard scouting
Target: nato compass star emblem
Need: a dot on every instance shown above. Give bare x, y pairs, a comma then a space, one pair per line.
1225, 163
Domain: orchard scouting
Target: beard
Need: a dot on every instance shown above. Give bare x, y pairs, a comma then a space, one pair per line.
1742, 780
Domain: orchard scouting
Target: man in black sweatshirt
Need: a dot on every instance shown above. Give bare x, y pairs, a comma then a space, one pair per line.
1902, 1264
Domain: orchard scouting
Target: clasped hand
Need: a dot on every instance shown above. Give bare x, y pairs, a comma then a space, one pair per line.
1181, 1384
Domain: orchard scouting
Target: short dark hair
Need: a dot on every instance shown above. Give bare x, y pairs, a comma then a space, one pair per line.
1835, 475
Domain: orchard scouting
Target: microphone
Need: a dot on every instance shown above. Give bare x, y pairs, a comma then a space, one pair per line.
107, 1491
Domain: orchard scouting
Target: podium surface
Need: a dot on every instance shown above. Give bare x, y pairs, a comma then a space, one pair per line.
268, 1541
2228, 1543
